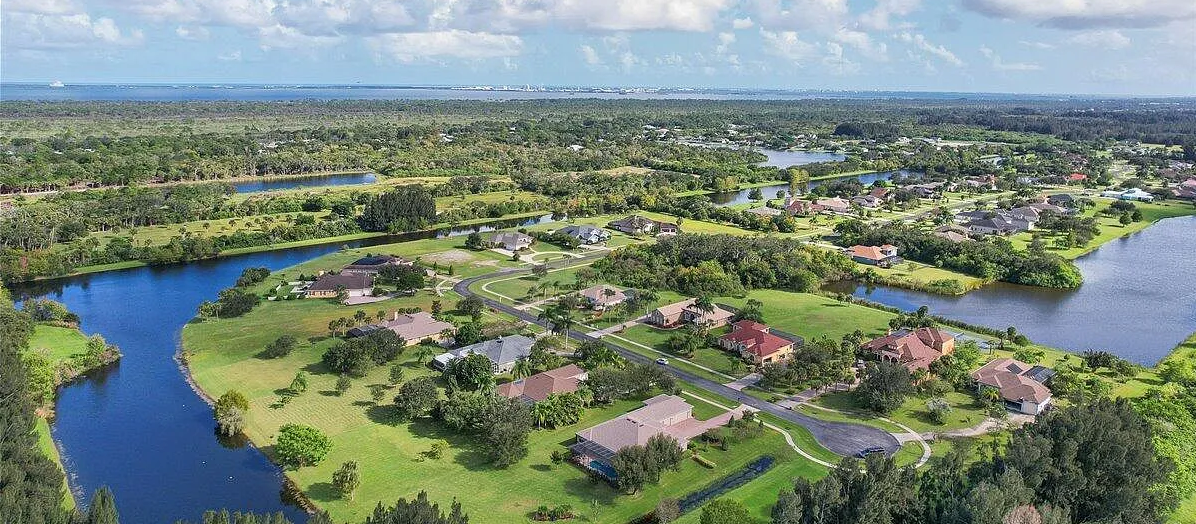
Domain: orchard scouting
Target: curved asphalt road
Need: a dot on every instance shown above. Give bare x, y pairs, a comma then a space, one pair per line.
843, 438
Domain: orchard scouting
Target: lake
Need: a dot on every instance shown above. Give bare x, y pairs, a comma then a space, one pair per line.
273, 184
783, 159
138, 427
743, 196
1138, 300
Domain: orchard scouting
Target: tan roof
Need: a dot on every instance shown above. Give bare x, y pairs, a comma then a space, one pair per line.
675, 308
671, 310
662, 414
330, 282
597, 294
537, 387
911, 348
1008, 376
416, 326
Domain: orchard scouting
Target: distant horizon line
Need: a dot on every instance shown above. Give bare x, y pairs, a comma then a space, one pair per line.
532, 88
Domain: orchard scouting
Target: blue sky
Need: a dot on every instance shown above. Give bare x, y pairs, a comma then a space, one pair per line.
1026, 46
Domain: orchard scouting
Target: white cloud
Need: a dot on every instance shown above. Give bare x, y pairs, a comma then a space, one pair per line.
590, 55
787, 45
1082, 14
836, 62
44, 7
880, 17
1037, 45
411, 47
925, 47
282, 37
799, 14
607, 15
333, 17
1000, 65
23, 30
232, 56
1104, 39
192, 33
862, 42
742, 23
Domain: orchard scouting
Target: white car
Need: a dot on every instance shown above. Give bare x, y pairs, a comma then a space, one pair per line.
662, 361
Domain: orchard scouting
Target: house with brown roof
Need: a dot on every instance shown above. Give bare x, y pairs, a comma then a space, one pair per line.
880, 256
915, 349
661, 415
602, 296
834, 205
801, 207
331, 285
511, 240
1019, 384
686, 312
641, 225
538, 387
412, 327
756, 342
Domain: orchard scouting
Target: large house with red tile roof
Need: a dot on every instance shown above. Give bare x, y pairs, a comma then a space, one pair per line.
1019, 384
880, 256
538, 387
915, 349
756, 342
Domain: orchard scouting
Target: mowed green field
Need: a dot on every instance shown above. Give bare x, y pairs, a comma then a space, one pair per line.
45, 443
812, 316
1110, 227
57, 343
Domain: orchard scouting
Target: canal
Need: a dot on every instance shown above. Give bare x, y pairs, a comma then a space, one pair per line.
743, 196
138, 427
1138, 300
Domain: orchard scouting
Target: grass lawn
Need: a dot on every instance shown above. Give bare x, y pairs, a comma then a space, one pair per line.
58, 343
1110, 227
709, 357
913, 413
812, 316
919, 274
221, 355
45, 442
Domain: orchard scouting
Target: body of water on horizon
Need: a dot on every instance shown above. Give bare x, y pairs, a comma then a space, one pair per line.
274, 184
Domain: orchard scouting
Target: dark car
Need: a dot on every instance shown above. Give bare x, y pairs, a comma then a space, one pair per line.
871, 451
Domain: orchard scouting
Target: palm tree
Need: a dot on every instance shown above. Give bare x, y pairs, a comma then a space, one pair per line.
423, 352
359, 316
647, 297
523, 368
558, 319
380, 315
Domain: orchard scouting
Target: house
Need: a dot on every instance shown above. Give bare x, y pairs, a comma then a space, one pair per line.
1129, 194
511, 240
882, 193
952, 232
372, 264
602, 296
765, 211
1076, 178
413, 328
537, 387
880, 256
834, 205
1186, 190
586, 234
502, 352
867, 201
999, 224
801, 207
686, 312
661, 415
928, 190
331, 285
641, 225
1019, 384
756, 342
915, 349
1061, 200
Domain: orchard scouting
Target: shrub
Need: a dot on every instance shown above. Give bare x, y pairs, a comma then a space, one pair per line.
281, 347
300, 445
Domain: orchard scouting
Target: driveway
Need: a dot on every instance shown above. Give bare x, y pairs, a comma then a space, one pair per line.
842, 438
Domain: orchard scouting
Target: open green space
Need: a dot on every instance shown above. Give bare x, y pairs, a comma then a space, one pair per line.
966, 411
1110, 227
45, 442
58, 343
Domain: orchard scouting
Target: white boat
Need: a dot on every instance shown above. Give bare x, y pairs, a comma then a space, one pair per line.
57, 83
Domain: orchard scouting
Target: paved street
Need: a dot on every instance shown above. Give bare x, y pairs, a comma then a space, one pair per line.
842, 438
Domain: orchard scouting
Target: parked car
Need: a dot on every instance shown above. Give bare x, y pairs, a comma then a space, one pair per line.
871, 451
662, 361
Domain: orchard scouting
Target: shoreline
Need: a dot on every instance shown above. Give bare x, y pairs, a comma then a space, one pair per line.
231, 180
131, 264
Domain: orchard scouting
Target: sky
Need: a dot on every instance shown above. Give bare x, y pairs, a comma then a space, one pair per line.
1121, 47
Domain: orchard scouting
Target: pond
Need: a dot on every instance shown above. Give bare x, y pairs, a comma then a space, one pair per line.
743, 196
138, 427
293, 182
1138, 300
